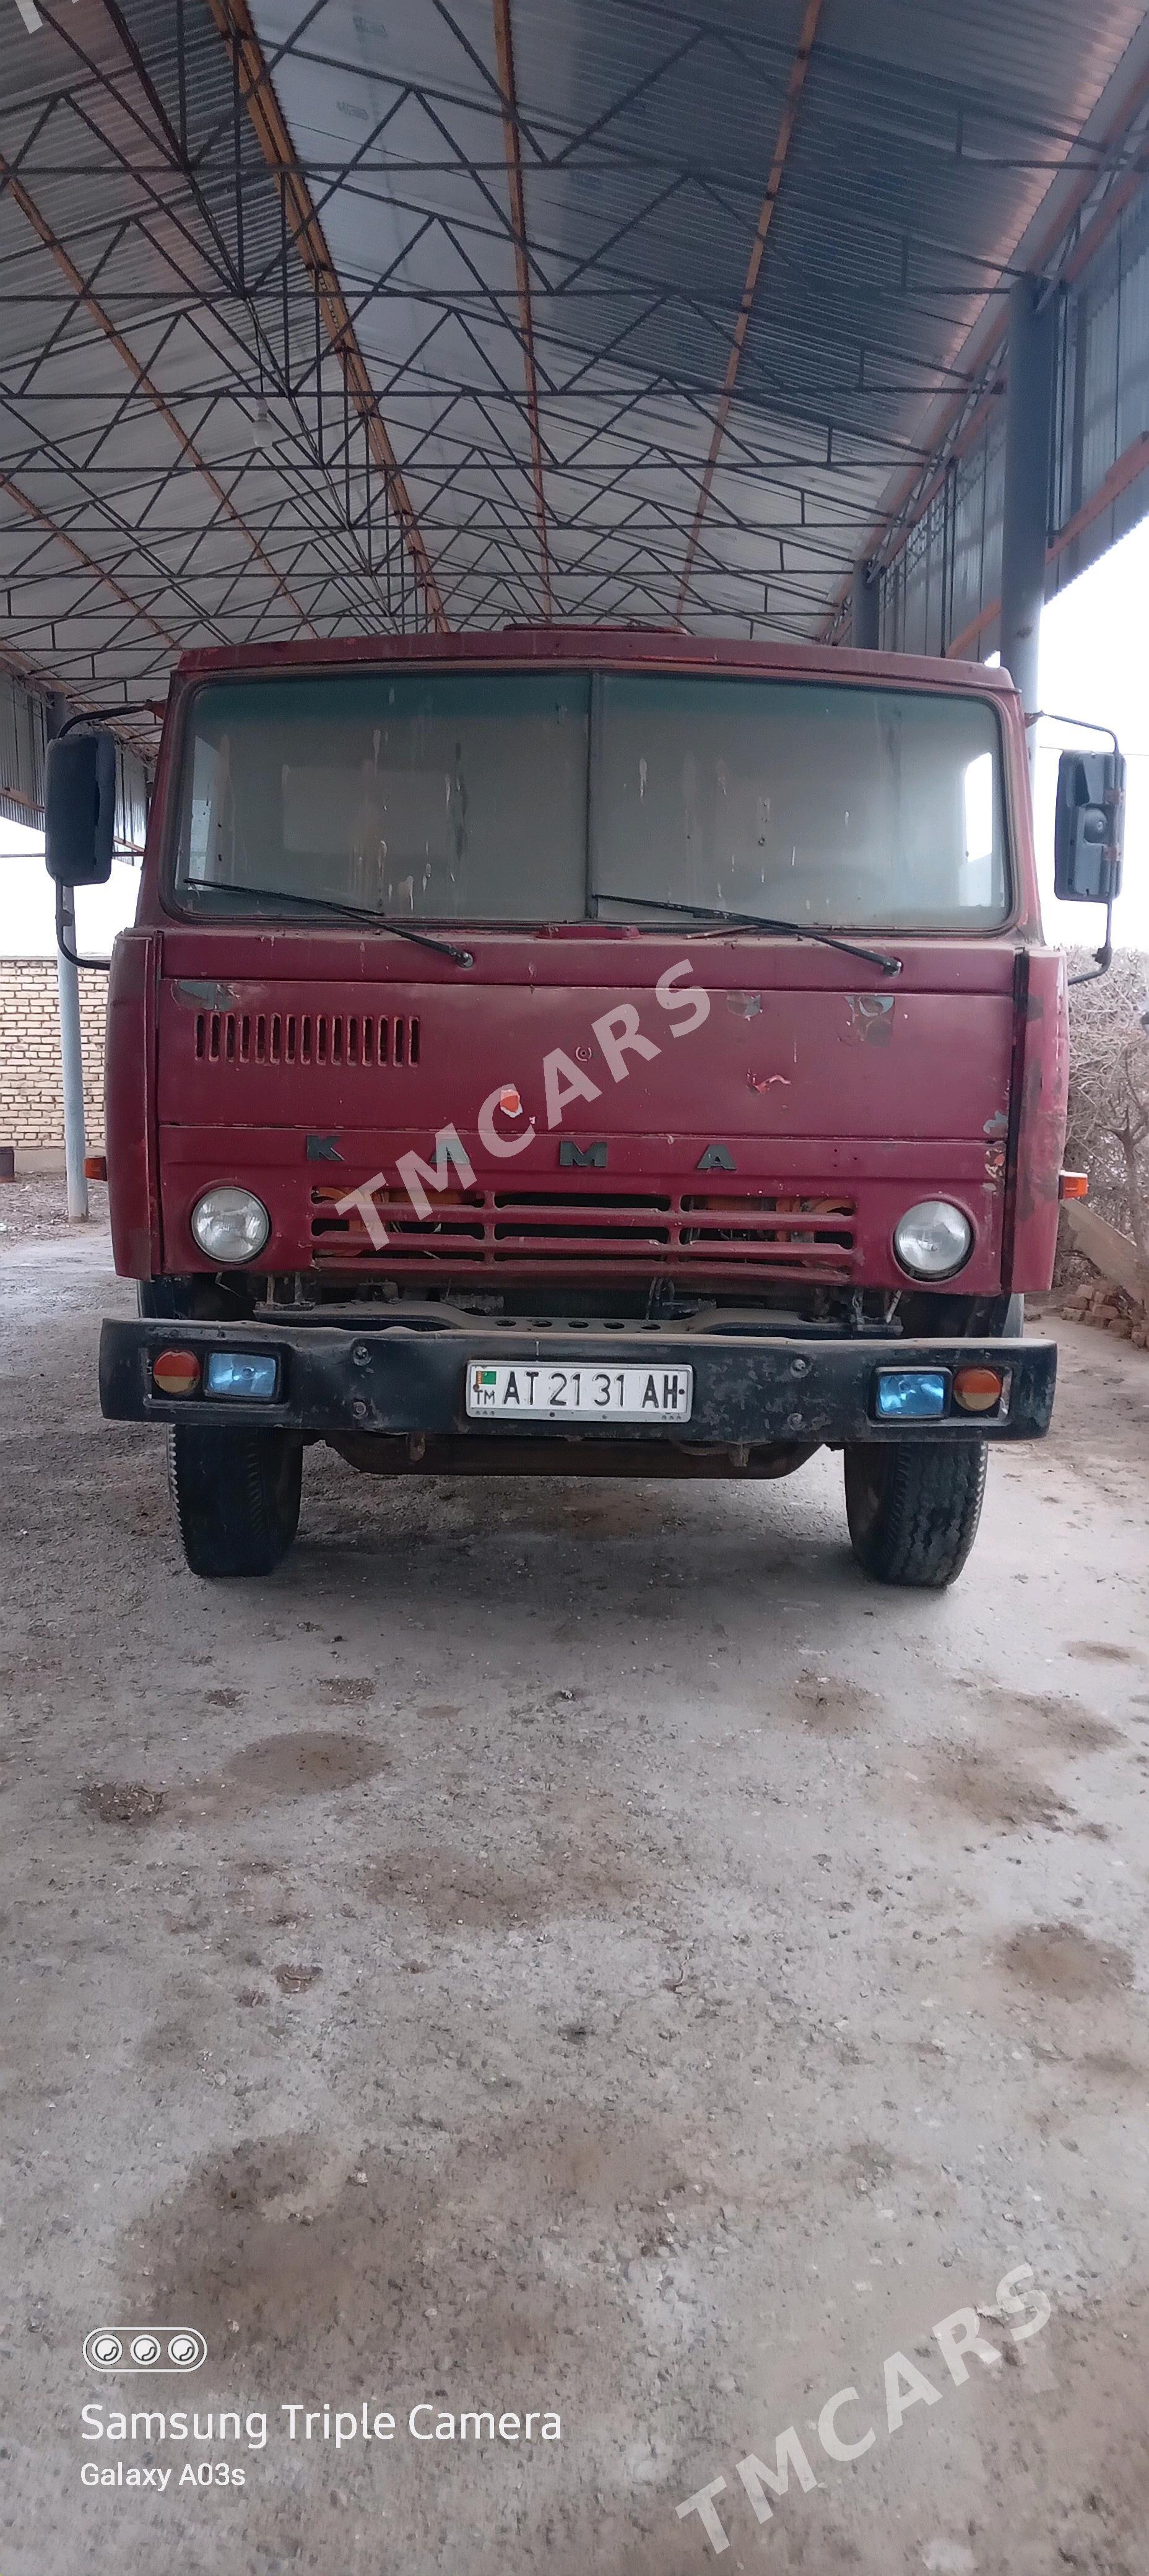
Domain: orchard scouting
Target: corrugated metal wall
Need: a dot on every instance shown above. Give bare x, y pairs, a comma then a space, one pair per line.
950, 565
21, 753
23, 734
940, 591
1103, 410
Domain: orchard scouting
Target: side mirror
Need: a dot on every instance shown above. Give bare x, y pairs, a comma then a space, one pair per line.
1089, 832
80, 807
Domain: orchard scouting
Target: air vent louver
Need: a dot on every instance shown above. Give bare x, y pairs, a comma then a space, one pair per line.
305, 1037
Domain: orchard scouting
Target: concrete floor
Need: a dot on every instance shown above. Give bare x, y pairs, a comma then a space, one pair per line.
592, 1953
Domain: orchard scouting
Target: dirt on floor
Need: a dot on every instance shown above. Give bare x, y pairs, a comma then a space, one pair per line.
578, 1958
35, 1204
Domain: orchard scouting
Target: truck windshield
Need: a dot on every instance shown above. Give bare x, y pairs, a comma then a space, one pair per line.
526, 796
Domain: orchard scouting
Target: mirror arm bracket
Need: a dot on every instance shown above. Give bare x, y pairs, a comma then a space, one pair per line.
97, 965
1103, 956
1047, 715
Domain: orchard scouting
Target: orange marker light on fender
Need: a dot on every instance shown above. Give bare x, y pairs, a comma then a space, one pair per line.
977, 1390
175, 1373
1073, 1185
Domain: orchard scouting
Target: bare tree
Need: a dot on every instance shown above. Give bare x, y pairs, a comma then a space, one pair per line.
1109, 1091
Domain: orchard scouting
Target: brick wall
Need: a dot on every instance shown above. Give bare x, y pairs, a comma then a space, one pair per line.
31, 1101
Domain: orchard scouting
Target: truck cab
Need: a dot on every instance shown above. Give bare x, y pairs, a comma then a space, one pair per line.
561, 1052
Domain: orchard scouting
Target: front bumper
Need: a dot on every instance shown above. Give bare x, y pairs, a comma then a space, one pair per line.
751, 1391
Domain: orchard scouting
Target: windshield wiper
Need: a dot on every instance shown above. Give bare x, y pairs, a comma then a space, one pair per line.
354, 912
758, 921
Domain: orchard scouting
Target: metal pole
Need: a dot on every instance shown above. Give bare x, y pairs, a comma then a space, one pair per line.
1025, 522
71, 1043
866, 608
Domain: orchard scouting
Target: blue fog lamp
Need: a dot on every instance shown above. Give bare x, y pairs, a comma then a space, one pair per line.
249, 1376
911, 1395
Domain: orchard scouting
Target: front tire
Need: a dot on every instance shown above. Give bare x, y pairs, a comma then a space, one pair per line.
913, 1509
235, 1496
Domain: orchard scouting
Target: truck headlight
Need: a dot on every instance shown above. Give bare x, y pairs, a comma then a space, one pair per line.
933, 1239
230, 1224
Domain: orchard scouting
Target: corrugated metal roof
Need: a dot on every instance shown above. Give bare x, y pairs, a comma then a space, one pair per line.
182, 459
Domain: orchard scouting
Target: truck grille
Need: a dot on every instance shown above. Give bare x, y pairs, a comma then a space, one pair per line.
305, 1037
536, 1232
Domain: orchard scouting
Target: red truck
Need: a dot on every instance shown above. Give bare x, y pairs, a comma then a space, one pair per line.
584, 1052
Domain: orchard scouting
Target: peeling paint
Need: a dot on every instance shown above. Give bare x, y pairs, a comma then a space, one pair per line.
211, 997
870, 1019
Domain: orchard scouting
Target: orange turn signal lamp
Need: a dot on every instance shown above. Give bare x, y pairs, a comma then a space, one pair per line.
978, 1390
1073, 1185
95, 1167
175, 1372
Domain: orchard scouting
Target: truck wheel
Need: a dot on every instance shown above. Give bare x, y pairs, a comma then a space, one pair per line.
913, 1509
235, 1495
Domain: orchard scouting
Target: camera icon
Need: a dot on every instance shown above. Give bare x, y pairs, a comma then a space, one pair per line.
145, 2348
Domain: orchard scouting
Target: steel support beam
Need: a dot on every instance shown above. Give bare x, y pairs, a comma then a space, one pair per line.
71, 1040
88, 563
1052, 243
14, 188
866, 608
233, 19
1025, 516
785, 136
72, 1066
505, 55
1128, 469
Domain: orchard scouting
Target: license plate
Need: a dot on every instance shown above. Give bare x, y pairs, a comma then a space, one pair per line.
572, 1391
